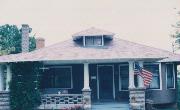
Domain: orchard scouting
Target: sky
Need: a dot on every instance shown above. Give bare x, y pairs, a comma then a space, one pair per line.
142, 21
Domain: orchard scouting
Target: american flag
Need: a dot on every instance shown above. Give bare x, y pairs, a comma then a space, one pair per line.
146, 75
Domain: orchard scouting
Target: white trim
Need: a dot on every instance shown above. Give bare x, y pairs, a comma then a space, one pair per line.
173, 76
84, 42
8, 76
102, 40
86, 77
140, 82
71, 75
160, 76
131, 75
1, 78
120, 89
98, 81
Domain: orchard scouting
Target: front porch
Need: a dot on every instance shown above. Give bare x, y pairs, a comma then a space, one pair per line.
100, 83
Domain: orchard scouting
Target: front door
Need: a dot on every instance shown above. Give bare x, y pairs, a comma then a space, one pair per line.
105, 80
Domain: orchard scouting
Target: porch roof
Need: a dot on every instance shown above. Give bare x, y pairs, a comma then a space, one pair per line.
117, 49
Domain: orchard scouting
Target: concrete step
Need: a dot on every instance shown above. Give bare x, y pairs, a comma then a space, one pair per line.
4, 96
4, 103
4, 99
4, 108
110, 106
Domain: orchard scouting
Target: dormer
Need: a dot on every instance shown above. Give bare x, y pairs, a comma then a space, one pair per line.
93, 37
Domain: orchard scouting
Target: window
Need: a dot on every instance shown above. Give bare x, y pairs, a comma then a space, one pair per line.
93, 40
170, 75
124, 77
58, 77
154, 68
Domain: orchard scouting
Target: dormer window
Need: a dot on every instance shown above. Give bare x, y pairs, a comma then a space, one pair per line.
93, 37
93, 41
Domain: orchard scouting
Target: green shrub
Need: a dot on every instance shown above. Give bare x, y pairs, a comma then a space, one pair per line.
24, 93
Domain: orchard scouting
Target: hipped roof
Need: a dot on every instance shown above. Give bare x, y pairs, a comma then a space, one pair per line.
68, 50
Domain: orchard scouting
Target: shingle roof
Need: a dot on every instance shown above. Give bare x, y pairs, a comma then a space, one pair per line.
69, 51
92, 32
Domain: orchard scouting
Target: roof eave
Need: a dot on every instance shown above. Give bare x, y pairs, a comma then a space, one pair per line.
113, 60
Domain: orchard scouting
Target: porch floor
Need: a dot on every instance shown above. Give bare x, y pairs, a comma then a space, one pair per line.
110, 106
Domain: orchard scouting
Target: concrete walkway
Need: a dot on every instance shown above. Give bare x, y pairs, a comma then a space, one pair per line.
110, 106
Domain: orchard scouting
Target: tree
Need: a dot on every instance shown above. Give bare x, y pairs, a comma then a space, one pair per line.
24, 92
10, 40
176, 36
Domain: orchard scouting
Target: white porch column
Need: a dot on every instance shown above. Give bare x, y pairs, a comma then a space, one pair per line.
8, 78
131, 74
1, 78
140, 79
86, 90
86, 77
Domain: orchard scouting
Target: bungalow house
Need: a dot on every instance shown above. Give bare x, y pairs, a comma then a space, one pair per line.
95, 66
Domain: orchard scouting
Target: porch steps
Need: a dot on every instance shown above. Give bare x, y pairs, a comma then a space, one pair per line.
110, 106
4, 100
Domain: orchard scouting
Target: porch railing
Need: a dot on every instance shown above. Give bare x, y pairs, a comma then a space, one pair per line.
56, 101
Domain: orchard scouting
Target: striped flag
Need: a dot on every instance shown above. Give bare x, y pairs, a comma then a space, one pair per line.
146, 75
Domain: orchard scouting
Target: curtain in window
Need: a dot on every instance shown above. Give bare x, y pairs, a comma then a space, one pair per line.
170, 76
154, 68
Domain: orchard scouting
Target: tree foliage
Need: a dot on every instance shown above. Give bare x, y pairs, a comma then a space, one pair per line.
10, 40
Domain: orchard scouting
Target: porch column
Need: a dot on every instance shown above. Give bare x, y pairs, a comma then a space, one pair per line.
8, 78
140, 79
86, 90
1, 78
86, 77
131, 74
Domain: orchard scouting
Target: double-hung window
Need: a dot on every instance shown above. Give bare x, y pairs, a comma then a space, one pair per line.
154, 68
170, 75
